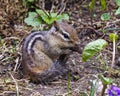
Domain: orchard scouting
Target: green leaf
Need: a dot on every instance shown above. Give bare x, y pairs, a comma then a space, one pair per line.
33, 19
118, 2
53, 17
92, 4
105, 16
117, 11
105, 80
103, 4
48, 19
113, 37
44, 17
62, 16
92, 48
41, 13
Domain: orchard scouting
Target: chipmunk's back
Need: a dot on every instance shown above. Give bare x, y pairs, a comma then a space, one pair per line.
34, 60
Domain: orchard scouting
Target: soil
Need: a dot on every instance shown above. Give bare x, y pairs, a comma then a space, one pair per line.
81, 75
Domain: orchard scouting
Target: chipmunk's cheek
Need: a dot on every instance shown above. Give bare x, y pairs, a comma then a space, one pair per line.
70, 44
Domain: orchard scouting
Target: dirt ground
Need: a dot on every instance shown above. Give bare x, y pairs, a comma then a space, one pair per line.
81, 74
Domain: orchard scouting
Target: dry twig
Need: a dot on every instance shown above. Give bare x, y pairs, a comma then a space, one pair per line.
17, 88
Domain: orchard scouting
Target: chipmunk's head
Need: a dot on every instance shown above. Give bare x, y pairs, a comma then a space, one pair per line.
66, 36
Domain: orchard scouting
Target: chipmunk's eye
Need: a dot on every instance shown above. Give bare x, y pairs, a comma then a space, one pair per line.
66, 36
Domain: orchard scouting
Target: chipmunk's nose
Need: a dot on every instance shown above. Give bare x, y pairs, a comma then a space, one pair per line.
77, 42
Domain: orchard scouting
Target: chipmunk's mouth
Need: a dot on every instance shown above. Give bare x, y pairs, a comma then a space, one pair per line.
76, 49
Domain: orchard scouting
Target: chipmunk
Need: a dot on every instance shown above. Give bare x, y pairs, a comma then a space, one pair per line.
44, 53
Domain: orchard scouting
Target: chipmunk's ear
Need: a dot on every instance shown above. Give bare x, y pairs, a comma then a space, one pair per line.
56, 25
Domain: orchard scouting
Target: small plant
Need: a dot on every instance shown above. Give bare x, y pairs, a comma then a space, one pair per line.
90, 50
105, 81
113, 37
40, 16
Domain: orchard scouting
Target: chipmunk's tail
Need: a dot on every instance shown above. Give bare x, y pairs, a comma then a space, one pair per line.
54, 73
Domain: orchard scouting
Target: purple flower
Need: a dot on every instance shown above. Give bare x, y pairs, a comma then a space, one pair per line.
114, 91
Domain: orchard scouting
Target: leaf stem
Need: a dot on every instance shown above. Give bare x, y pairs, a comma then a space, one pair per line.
113, 57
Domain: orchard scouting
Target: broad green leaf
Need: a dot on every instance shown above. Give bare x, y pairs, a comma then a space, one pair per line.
44, 17
53, 15
105, 80
49, 20
105, 16
33, 19
113, 37
40, 12
103, 4
62, 16
92, 4
117, 11
92, 48
118, 2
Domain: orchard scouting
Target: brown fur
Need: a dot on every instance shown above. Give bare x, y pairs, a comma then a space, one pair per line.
44, 54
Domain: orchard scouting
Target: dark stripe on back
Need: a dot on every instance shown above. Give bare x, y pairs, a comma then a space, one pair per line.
28, 40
